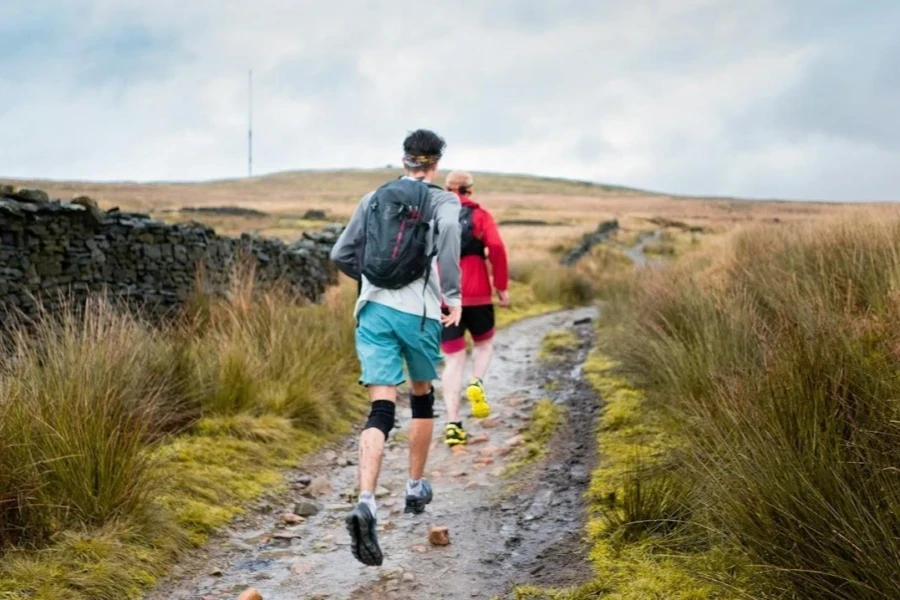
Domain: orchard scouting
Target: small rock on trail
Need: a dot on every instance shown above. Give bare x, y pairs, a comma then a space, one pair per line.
439, 535
292, 519
306, 508
251, 594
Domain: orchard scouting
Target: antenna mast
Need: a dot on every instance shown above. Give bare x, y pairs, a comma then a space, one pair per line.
250, 125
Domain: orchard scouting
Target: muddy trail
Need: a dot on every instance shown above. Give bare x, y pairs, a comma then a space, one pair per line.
504, 529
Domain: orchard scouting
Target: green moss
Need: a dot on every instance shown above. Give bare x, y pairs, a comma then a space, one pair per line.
208, 477
645, 563
524, 306
117, 562
206, 490
557, 343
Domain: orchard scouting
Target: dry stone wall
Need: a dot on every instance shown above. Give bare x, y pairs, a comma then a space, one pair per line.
52, 250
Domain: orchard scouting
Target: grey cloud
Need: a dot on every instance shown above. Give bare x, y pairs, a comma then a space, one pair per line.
724, 97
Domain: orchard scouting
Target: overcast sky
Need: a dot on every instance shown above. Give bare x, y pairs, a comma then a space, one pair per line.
754, 98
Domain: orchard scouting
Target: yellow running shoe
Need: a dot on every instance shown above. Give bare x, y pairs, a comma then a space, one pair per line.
454, 435
478, 399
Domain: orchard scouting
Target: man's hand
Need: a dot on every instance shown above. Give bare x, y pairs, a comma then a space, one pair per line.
452, 318
504, 298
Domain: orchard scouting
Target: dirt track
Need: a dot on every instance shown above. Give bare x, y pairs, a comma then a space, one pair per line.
503, 530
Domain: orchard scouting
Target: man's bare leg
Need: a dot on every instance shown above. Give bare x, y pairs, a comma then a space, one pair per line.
482, 353
420, 431
361, 522
451, 383
371, 443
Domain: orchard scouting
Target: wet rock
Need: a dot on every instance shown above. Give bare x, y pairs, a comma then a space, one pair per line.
540, 505
319, 486
439, 535
514, 441
479, 439
30, 195
305, 508
488, 451
292, 519
95, 215
579, 474
250, 594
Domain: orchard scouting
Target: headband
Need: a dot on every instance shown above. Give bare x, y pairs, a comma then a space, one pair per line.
411, 161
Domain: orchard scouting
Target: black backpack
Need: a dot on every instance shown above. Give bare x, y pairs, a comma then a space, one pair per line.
392, 248
469, 245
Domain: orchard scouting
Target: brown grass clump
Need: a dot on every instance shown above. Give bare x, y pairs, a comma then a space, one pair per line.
775, 365
123, 442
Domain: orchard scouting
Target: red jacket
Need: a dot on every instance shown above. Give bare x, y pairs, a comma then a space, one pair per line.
477, 289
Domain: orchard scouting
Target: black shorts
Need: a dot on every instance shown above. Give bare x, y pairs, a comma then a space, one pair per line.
477, 320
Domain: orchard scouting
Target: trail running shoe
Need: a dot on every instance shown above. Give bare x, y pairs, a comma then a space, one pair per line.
415, 503
454, 435
478, 399
363, 538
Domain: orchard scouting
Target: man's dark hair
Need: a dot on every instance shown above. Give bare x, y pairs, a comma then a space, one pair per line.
423, 142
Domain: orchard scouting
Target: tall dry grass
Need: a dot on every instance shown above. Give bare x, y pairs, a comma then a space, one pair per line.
89, 396
776, 366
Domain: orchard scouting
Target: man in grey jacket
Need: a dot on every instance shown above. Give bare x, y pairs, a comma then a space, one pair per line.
402, 325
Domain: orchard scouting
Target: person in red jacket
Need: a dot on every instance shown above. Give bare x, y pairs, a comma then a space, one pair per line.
480, 243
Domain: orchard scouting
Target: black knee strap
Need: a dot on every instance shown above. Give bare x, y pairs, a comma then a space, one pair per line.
422, 406
381, 416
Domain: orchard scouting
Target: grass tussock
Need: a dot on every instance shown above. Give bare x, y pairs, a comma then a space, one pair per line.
773, 371
558, 343
549, 283
124, 443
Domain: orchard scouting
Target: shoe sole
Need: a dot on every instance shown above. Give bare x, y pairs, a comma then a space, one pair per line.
480, 407
415, 505
365, 548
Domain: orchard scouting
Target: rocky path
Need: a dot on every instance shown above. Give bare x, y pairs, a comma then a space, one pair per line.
503, 529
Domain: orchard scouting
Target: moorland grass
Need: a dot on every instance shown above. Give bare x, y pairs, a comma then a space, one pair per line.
774, 367
124, 443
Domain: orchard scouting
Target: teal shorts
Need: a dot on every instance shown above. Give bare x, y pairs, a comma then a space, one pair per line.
386, 338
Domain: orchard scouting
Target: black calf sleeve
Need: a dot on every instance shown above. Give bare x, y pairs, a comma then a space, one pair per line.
381, 416
422, 406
